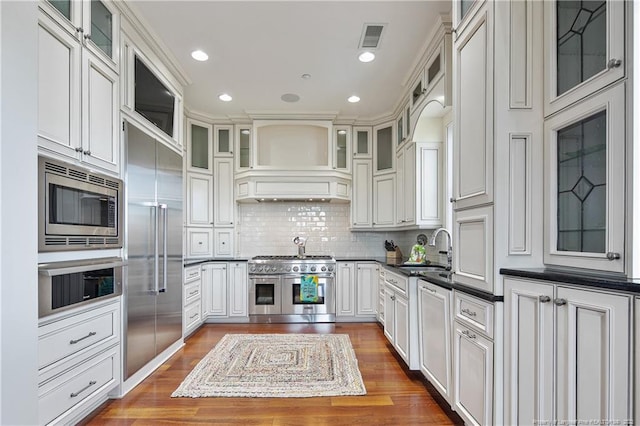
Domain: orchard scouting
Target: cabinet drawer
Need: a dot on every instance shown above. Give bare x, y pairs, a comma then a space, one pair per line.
192, 292
72, 335
192, 273
474, 312
397, 281
192, 316
98, 374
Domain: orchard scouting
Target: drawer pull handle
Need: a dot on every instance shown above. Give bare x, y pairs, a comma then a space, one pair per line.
91, 383
469, 334
91, 333
193, 316
469, 312
193, 292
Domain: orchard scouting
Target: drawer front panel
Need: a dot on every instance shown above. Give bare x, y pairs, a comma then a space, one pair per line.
65, 391
399, 282
192, 273
192, 315
192, 292
474, 312
66, 337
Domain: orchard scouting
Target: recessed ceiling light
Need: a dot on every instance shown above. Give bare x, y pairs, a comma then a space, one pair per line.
366, 57
225, 97
305, 76
353, 99
199, 55
290, 97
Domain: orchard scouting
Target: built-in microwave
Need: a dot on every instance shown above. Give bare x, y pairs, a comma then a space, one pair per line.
78, 208
66, 285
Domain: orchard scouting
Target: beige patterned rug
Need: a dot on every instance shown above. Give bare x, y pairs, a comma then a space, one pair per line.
276, 365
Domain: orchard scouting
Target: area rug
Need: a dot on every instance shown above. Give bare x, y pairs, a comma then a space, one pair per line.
276, 365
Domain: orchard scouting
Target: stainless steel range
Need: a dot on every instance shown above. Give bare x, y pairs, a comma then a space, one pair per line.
292, 289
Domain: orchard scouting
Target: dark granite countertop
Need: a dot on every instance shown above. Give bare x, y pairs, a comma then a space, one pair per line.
594, 280
191, 262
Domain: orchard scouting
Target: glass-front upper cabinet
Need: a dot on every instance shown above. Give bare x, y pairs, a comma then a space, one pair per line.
585, 45
362, 142
243, 149
342, 148
199, 144
95, 23
384, 148
585, 188
223, 140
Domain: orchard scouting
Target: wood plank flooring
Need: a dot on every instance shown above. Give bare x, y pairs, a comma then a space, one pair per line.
395, 395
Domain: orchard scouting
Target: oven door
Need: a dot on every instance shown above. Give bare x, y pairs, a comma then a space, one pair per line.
312, 294
264, 295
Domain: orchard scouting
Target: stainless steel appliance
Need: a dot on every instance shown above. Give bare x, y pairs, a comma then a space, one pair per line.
153, 284
78, 209
65, 285
276, 289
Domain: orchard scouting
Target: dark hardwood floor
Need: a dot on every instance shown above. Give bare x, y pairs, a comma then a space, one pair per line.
395, 395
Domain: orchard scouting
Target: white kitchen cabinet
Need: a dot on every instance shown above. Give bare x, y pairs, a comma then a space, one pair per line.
381, 295
473, 247
366, 289
238, 289
225, 289
401, 317
224, 205
585, 47
472, 375
199, 243
585, 334
78, 97
383, 149
342, 149
223, 245
345, 289
362, 142
473, 111
400, 190
223, 140
78, 361
199, 146
244, 159
199, 200
434, 325
215, 283
389, 314
192, 299
585, 184
361, 201
384, 200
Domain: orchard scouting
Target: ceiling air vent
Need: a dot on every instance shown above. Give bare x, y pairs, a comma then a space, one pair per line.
371, 36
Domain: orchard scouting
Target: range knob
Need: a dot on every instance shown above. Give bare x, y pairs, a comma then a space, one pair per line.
313, 269
303, 267
295, 269
253, 268
260, 268
330, 268
324, 268
288, 268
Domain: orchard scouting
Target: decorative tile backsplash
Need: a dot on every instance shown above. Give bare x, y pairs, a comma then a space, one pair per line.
268, 228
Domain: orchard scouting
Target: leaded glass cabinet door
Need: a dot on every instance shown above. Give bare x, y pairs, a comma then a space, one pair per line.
585, 187
585, 45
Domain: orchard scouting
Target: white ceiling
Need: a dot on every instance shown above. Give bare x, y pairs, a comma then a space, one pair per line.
258, 51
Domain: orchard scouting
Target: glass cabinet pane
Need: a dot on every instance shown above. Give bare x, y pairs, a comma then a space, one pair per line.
581, 43
199, 147
465, 5
362, 142
63, 6
408, 122
400, 131
384, 148
582, 185
224, 144
101, 27
245, 139
341, 149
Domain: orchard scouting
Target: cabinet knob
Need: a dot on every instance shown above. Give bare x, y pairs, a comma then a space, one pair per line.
87, 36
200, 242
560, 302
544, 299
452, 200
79, 149
613, 256
87, 152
614, 63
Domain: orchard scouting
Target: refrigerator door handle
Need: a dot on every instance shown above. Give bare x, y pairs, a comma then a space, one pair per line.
165, 219
156, 256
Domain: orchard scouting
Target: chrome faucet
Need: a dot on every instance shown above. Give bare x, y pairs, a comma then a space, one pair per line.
449, 252
300, 242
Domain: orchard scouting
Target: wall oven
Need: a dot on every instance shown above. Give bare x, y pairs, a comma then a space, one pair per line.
66, 285
78, 209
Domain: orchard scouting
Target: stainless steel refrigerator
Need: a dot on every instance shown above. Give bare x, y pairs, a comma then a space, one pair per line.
153, 283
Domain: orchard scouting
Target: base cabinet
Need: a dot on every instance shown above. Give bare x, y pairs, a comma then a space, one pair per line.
585, 334
192, 299
225, 291
401, 317
434, 335
357, 291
